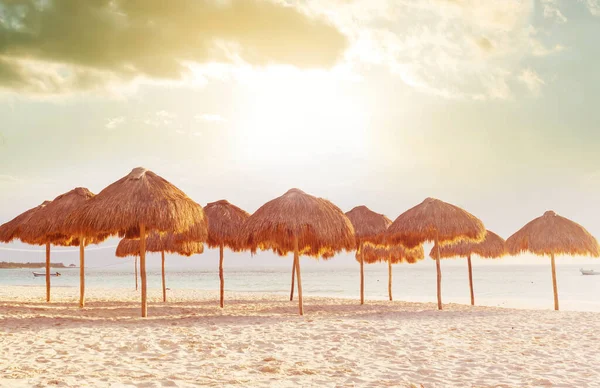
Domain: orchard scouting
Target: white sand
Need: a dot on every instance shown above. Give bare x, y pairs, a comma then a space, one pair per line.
258, 340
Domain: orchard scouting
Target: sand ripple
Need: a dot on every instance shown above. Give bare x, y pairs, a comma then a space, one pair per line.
258, 340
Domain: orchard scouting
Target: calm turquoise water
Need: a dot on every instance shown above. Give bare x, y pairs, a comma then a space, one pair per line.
495, 285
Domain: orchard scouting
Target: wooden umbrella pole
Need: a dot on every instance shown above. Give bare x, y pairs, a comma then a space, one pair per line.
439, 273
471, 280
164, 286
48, 272
362, 274
136, 273
293, 276
554, 282
297, 261
143, 269
221, 276
390, 277
81, 272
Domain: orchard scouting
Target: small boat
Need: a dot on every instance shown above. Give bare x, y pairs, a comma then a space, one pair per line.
38, 274
588, 272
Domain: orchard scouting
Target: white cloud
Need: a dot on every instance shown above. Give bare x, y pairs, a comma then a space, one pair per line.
9, 179
213, 118
160, 118
448, 48
552, 11
539, 50
593, 6
532, 80
114, 122
497, 86
165, 114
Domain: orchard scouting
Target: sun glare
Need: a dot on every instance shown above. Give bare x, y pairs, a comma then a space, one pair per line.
300, 116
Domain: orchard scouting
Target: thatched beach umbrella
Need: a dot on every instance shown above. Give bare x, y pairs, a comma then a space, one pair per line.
492, 247
437, 221
48, 226
139, 202
553, 235
157, 243
369, 227
393, 254
225, 222
12, 230
297, 222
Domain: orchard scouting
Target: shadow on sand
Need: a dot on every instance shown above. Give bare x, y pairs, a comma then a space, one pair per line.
16, 316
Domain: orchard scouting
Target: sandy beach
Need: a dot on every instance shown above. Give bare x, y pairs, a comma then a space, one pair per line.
258, 340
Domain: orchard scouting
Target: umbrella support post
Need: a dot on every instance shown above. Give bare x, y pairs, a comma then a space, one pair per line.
143, 269
439, 274
554, 285
439, 283
164, 286
136, 273
47, 272
81, 272
362, 275
390, 277
221, 276
293, 276
297, 261
471, 280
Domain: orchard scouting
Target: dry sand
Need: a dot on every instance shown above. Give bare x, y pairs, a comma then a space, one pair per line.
258, 340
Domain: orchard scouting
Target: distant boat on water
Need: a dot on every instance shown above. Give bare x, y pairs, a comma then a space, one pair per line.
38, 274
588, 272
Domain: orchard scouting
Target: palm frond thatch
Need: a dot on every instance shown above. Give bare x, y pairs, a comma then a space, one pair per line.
320, 226
159, 243
48, 224
492, 247
434, 219
197, 233
396, 253
368, 225
12, 229
225, 222
141, 197
553, 234
323, 253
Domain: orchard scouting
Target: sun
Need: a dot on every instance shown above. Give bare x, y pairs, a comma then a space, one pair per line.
294, 116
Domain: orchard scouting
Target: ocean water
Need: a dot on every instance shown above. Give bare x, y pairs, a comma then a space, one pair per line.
520, 286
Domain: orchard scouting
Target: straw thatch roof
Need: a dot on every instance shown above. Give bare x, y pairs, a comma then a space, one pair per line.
553, 234
323, 253
397, 253
198, 232
157, 243
48, 223
225, 222
368, 225
492, 246
433, 219
12, 229
140, 197
319, 224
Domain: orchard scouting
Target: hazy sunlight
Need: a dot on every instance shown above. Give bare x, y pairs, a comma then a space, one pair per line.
297, 116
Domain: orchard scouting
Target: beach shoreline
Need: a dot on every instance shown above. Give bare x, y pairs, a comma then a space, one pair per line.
259, 340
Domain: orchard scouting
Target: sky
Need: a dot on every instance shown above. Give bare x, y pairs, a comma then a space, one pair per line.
489, 105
